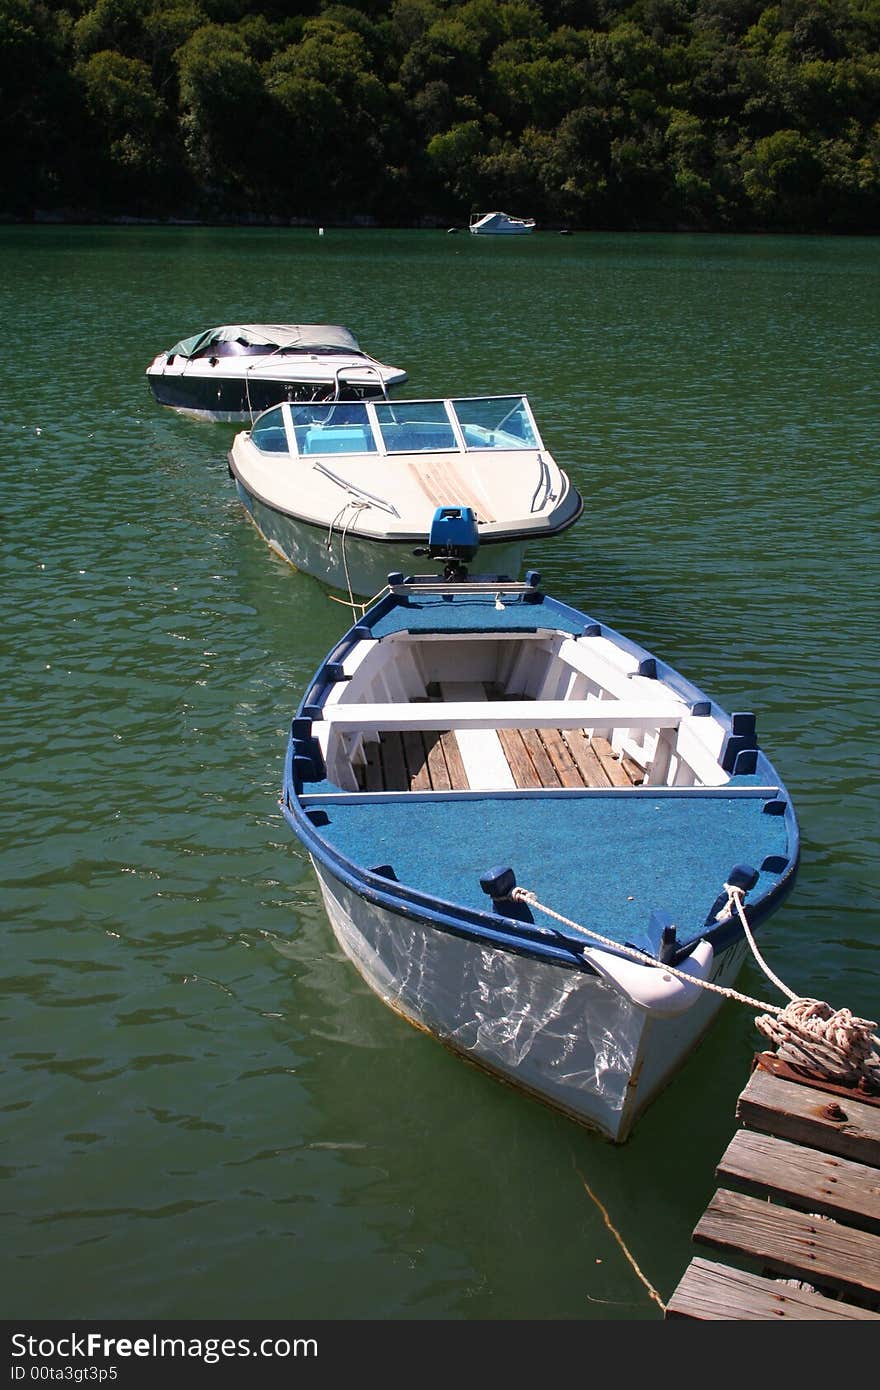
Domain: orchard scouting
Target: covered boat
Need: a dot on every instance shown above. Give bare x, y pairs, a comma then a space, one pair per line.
348, 491
534, 839
500, 224
236, 371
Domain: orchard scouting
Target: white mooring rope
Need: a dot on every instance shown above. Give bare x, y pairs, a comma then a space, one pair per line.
357, 507
809, 1035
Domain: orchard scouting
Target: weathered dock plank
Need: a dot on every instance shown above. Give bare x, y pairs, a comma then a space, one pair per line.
714, 1292
372, 772
793, 1244
806, 1166
547, 774
812, 1181
807, 1115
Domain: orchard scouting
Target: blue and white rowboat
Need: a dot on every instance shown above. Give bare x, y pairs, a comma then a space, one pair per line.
468, 735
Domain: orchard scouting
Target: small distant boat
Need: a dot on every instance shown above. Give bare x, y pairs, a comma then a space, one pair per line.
347, 491
469, 739
500, 224
237, 370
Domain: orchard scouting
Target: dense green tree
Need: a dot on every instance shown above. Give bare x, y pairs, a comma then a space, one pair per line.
119, 94
597, 113
338, 120
780, 172
574, 164
41, 119
222, 110
536, 89
455, 154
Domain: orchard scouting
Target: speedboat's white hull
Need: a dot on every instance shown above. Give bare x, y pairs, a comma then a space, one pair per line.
238, 370
501, 231
353, 491
570, 1038
501, 224
229, 393
346, 561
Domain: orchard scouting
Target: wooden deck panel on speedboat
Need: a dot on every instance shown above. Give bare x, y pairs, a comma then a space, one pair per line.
419, 760
441, 480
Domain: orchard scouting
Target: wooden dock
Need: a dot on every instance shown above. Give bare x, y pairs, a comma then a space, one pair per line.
798, 1215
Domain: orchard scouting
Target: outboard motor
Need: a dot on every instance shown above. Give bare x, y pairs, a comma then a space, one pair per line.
454, 539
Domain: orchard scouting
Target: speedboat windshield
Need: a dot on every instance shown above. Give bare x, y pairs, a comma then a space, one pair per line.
415, 426
398, 427
498, 422
341, 427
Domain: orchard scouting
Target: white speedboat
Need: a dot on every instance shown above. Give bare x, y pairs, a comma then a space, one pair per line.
500, 224
349, 491
535, 840
236, 371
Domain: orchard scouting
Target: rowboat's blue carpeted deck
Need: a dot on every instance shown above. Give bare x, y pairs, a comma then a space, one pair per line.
473, 613
606, 862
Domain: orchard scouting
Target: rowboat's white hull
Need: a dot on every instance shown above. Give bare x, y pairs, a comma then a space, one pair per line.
342, 559
568, 1037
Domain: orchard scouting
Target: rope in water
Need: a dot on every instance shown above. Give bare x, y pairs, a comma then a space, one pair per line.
809, 1035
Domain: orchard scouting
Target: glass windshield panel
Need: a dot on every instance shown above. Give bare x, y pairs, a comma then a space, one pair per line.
498, 423
411, 427
336, 427
269, 433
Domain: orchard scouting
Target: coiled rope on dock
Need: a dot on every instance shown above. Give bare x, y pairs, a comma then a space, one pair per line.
810, 1036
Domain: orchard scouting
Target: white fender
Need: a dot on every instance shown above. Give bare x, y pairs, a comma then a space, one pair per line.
651, 987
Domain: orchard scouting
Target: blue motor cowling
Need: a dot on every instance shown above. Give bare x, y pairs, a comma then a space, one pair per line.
454, 539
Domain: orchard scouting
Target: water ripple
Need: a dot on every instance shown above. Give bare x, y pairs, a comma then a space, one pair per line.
189, 1056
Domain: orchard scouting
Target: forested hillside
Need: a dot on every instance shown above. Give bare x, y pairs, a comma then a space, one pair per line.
715, 114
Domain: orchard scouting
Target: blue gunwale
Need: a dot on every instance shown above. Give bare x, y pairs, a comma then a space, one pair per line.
490, 928
541, 943
525, 613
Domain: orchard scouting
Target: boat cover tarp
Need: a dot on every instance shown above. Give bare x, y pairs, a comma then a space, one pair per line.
306, 336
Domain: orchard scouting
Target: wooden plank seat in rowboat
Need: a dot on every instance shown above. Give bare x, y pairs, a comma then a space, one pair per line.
354, 717
474, 757
431, 760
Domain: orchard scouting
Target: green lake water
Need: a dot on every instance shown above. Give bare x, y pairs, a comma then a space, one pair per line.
207, 1114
